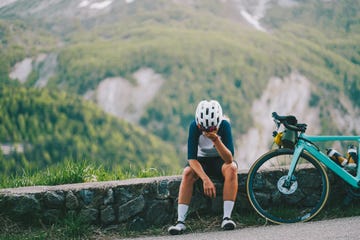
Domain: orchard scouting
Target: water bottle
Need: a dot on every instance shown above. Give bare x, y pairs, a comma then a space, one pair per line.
337, 157
352, 156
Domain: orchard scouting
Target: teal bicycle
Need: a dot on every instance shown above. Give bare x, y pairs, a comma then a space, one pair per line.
290, 184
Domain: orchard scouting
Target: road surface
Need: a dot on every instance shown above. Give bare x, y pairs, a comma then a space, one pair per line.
339, 229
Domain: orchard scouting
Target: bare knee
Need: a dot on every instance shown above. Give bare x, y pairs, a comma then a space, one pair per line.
229, 170
189, 176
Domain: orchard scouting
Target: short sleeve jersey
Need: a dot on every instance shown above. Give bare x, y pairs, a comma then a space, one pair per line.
201, 146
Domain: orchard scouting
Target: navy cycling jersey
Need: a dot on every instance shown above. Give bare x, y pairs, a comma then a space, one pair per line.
201, 146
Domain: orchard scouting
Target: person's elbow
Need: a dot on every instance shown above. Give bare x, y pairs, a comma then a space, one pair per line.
228, 158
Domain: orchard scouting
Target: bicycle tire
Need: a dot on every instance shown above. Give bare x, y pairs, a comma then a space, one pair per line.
302, 201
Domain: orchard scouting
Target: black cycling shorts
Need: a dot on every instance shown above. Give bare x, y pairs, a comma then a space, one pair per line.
212, 166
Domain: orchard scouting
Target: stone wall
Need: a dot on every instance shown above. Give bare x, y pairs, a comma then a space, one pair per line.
140, 203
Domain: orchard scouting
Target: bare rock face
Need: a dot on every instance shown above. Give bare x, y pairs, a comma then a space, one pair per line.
127, 100
289, 95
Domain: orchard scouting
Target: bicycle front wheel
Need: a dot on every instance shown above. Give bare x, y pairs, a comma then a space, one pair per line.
298, 201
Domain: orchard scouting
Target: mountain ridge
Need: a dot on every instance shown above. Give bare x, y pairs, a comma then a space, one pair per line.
202, 50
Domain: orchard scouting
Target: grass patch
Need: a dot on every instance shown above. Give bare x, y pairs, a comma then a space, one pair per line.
74, 172
73, 227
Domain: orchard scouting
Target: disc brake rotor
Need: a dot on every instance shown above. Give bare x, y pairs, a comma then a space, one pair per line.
286, 190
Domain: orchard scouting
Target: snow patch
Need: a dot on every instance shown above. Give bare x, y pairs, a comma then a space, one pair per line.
95, 5
84, 4
253, 20
3, 3
253, 12
100, 5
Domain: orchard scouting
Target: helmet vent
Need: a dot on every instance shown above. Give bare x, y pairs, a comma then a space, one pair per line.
208, 114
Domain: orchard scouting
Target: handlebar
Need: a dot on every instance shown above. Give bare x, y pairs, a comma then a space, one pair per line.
289, 122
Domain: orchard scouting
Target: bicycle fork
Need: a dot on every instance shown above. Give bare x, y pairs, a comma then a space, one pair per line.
290, 178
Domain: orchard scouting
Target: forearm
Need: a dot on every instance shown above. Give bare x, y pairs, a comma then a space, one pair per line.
208, 185
196, 166
221, 148
223, 151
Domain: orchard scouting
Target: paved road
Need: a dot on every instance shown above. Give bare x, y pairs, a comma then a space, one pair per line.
339, 229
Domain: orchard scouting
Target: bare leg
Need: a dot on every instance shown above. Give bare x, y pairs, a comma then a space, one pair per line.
231, 182
187, 185
229, 194
185, 193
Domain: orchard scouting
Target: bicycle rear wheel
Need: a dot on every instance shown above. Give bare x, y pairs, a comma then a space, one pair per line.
299, 202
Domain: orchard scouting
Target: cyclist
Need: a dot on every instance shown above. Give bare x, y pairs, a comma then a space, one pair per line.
210, 154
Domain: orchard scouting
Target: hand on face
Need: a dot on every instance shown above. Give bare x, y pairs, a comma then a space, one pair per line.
211, 135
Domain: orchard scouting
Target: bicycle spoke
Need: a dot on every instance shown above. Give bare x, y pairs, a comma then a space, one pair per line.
282, 202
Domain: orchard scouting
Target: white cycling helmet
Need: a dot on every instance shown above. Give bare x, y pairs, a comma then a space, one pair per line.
208, 115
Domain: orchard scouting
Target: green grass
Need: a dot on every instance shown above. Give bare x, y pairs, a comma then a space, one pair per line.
74, 172
73, 227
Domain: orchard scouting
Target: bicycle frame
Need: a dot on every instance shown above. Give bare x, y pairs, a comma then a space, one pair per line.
304, 144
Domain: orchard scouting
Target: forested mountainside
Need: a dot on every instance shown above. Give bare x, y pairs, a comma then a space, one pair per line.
41, 128
145, 65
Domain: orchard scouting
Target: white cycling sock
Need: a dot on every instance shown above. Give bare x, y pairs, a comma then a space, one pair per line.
228, 207
182, 212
